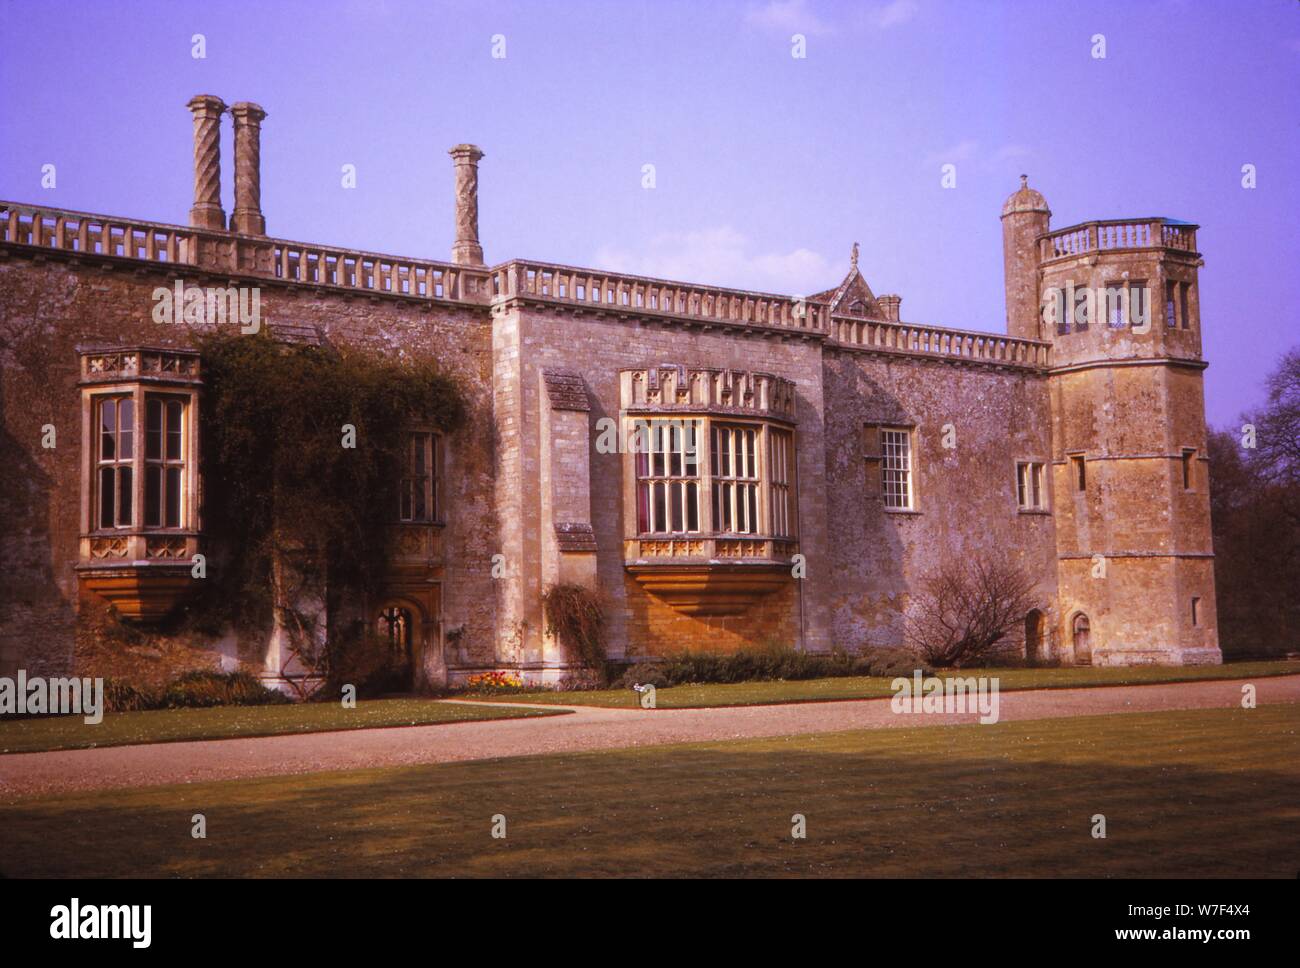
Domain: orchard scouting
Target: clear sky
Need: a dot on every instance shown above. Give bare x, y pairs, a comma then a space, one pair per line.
767, 167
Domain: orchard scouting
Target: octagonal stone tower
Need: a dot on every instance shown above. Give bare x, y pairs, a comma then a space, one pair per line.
1118, 299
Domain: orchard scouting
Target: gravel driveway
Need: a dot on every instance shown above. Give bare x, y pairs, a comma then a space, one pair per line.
586, 728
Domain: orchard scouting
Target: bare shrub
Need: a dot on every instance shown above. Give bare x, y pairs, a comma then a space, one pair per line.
966, 607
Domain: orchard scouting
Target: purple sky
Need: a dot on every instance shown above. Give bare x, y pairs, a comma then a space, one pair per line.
767, 167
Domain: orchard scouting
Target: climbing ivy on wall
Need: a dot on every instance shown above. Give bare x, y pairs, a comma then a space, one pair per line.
576, 615
280, 482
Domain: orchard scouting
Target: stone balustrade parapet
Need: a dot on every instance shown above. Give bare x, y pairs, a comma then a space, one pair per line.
959, 345
226, 252
375, 273
1109, 235
599, 290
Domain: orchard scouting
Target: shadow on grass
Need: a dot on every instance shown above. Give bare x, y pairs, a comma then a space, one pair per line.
1206, 793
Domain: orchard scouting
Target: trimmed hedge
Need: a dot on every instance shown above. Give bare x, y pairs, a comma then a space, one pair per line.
193, 690
752, 665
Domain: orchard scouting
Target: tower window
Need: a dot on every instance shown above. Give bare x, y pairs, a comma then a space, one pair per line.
1188, 457
1171, 305
1182, 305
1196, 611
1080, 472
1116, 305
1139, 303
1056, 310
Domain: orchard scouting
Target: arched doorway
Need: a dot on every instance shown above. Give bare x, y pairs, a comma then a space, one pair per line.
1033, 636
1081, 633
396, 625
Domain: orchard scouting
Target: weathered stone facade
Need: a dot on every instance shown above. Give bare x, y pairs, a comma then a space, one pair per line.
792, 522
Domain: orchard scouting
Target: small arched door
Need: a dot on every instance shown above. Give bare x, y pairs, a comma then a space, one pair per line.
1080, 632
396, 625
1033, 636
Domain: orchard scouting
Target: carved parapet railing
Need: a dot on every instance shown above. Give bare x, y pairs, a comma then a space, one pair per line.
675, 387
934, 341
374, 273
710, 575
1118, 235
705, 548
97, 234
226, 252
616, 292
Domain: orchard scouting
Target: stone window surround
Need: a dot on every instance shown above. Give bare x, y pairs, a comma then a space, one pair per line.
706, 422
873, 454
1039, 470
875, 461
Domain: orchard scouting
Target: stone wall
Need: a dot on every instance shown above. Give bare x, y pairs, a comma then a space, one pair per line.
49, 306
965, 495
532, 339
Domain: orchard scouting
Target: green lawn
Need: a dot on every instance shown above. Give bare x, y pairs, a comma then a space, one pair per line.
225, 722
874, 687
1188, 793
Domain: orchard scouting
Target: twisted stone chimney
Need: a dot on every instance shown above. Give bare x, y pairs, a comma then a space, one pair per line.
466, 250
207, 212
247, 219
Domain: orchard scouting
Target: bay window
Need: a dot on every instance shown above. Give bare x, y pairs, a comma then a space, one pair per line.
119, 461
743, 485
709, 485
139, 532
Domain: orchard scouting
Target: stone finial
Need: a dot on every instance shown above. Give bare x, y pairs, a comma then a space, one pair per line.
247, 218
207, 212
466, 250
853, 256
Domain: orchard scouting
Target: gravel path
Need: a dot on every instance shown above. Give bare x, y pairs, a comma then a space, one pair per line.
586, 728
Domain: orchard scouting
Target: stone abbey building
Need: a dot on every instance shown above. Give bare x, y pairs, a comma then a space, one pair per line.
807, 461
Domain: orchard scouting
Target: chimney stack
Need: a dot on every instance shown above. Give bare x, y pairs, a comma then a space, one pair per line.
207, 212
466, 250
247, 219
889, 306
